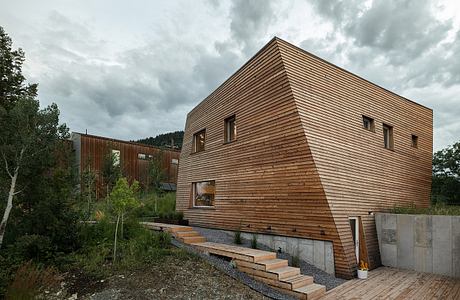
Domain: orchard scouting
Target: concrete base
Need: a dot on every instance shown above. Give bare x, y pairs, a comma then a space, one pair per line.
420, 242
315, 252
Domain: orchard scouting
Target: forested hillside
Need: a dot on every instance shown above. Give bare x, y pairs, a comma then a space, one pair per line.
165, 140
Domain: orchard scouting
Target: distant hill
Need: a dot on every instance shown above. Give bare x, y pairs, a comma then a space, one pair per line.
165, 140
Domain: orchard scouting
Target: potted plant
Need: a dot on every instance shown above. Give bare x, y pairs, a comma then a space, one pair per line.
362, 270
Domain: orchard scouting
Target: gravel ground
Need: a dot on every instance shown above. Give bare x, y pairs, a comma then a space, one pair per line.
226, 267
320, 277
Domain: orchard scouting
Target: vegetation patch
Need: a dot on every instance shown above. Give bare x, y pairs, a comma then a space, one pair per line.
436, 209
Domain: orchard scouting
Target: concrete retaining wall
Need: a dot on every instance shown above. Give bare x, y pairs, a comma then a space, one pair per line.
315, 252
420, 242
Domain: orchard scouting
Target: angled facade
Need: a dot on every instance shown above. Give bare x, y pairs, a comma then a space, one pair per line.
292, 146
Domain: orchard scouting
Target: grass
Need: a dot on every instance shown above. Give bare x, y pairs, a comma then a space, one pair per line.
254, 241
436, 209
237, 238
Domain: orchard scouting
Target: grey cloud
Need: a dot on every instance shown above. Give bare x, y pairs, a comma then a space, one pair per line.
249, 22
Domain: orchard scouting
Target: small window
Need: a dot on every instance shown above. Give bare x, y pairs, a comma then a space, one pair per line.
198, 141
230, 129
203, 193
116, 157
368, 123
141, 156
175, 161
388, 137
414, 141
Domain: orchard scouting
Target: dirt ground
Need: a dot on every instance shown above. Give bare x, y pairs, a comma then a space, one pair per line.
174, 277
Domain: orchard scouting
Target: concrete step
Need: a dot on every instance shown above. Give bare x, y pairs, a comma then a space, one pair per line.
312, 291
298, 281
285, 272
271, 264
180, 234
192, 239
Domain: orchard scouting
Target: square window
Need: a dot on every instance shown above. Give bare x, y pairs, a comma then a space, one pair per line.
116, 157
368, 123
203, 193
230, 129
198, 141
142, 156
414, 141
388, 137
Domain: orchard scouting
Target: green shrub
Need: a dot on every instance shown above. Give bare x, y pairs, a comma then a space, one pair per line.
237, 237
254, 241
436, 209
295, 261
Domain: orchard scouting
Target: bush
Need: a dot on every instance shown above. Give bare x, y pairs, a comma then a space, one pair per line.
30, 280
237, 238
436, 209
254, 241
33, 247
295, 261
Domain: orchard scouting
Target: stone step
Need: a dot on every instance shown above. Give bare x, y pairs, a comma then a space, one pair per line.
192, 239
180, 234
312, 291
271, 264
285, 272
298, 281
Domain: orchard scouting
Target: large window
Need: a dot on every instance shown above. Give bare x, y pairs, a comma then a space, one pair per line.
203, 193
388, 137
230, 129
368, 123
198, 141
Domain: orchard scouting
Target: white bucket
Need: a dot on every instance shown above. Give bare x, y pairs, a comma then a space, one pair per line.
362, 274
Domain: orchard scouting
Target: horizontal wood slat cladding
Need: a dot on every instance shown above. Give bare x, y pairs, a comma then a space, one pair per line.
302, 163
358, 174
94, 148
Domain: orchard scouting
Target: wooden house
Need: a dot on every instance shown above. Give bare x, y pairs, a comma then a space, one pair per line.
294, 146
133, 158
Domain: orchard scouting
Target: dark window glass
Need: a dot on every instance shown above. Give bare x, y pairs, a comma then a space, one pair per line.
387, 136
198, 141
368, 123
414, 141
230, 129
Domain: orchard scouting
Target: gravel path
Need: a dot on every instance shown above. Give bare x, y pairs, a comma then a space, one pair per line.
320, 276
227, 268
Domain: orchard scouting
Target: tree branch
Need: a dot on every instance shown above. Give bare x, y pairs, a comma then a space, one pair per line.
6, 165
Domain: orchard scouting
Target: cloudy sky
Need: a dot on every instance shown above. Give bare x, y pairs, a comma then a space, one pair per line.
132, 69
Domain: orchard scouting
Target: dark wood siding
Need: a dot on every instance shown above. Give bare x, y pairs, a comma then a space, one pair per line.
94, 148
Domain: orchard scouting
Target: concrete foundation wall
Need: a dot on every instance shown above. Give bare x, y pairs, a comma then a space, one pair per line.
420, 242
315, 252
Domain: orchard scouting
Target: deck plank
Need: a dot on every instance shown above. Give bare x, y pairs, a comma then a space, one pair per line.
391, 283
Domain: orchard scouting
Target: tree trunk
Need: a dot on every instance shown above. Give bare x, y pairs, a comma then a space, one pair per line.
9, 206
122, 222
115, 241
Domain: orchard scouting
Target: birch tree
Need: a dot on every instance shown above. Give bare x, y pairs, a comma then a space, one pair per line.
26, 131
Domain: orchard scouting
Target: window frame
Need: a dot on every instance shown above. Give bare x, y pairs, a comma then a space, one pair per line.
193, 198
117, 154
389, 128
414, 141
194, 141
227, 129
371, 122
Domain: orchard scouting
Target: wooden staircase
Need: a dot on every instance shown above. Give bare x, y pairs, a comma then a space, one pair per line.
258, 264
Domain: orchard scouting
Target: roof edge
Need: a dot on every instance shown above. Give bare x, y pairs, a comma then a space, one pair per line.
349, 72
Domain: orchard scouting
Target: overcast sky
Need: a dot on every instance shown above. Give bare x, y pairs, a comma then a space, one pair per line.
133, 69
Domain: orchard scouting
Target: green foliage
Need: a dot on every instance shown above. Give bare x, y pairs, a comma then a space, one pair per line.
237, 237
156, 172
295, 261
436, 209
254, 241
139, 246
123, 196
111, 170
446, 176
158, 205
88, 187
164, 140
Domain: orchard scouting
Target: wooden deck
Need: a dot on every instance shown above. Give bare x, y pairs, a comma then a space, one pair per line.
390, 283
